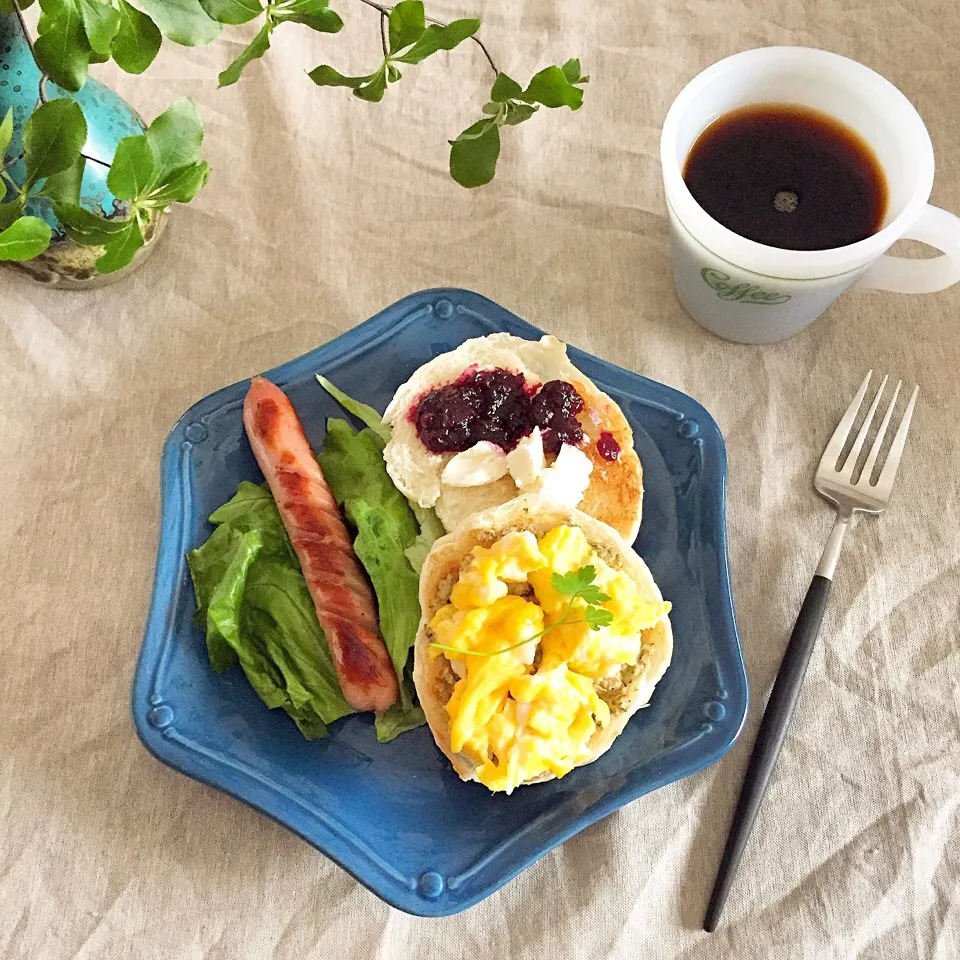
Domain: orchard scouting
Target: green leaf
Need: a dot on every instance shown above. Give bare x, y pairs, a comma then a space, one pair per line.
393, 74
307, 721
53, 136
370, 88
406, 24
6, 133
572, 583
552, 88
182, 186
436, 38
597, 618
65, 185
100, 23
257, 47
232, 11
61, 48
137, 41
132, 170
326, 76
353, 464
473, 159
374, 89
10, 211
121, 248
362, 411
223, 609
593, 595
183, 21
431, 530
321, 20
87, 228
279, 642
253, 508
24, 239
571, 70
280, 618
396, 720
477, 131
504, 88
518, 112
175, 138
430, 527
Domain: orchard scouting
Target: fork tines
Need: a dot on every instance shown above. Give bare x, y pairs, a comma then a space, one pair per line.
831, 456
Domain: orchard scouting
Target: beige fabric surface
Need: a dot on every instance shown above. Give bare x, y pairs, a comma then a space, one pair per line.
321, 211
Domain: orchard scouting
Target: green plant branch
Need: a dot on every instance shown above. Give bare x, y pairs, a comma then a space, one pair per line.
478, 42
385, 12
162, 166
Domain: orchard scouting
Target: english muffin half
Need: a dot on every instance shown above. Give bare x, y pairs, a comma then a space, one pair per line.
623, 691
615, 490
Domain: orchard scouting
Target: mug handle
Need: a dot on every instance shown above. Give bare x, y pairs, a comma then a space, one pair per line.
902, 275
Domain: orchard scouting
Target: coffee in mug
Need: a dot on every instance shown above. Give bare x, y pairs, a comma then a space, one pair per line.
788, 176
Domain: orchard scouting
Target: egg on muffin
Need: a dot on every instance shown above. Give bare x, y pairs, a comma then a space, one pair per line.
542, 633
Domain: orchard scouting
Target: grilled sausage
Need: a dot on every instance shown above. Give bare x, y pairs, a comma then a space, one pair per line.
344, 601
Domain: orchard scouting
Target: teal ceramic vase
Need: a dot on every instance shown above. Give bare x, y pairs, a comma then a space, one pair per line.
109, 119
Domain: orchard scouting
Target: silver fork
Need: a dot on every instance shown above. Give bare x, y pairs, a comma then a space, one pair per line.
835, 483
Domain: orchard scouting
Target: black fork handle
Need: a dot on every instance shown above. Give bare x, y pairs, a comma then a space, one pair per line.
766, 750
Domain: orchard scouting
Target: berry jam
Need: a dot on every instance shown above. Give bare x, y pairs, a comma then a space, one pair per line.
489, 405
554, 410
500, 407
607, 447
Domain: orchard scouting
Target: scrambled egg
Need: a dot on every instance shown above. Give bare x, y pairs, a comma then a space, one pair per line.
515, 716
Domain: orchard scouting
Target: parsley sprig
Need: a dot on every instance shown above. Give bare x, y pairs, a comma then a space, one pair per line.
576, 585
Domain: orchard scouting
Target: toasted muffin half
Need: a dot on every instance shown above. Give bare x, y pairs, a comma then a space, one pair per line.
615, 492
624, 693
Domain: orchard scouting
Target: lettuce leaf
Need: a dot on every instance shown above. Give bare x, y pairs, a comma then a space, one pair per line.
431, 529
386, 527
429, 523
258, 612
362, 411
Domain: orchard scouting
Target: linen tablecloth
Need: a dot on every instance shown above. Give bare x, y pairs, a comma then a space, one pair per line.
322, 210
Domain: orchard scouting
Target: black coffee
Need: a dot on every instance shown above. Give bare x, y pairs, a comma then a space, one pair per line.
788, 176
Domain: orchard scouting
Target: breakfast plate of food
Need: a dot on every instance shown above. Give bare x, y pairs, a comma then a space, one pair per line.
440, 594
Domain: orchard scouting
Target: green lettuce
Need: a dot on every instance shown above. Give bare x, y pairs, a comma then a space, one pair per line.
254, 603
362, 411
429, 523
431, 529
386, 527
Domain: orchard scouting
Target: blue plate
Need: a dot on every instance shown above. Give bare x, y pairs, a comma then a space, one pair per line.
395, 815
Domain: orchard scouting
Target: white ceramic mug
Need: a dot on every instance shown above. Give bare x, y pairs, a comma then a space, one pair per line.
752, 293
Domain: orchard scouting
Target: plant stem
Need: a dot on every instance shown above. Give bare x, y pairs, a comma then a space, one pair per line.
385, 11
478, 42
383, 34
